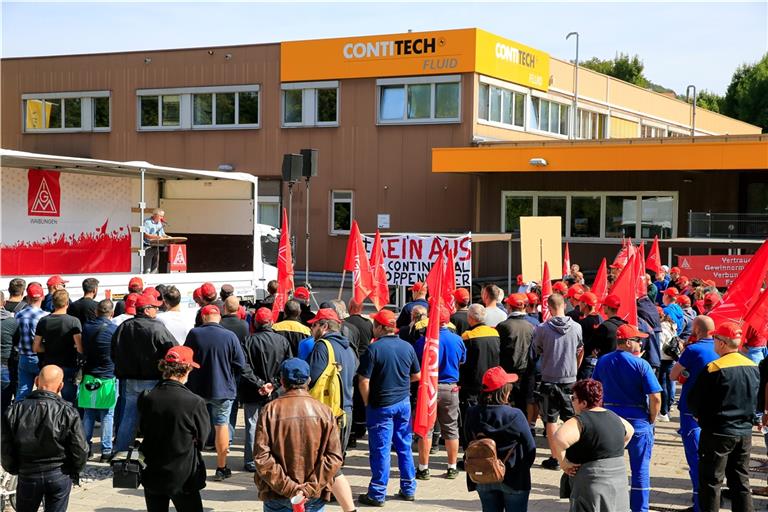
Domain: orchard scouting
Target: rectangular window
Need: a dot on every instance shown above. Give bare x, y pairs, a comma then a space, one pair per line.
225, 108
501, 105
591, 125
150, 111
327, 105
202, 109
553, 206
292, 106
649, 131
341, 211
495, 104
483, 97
67, 111
549, 116
620, 216
171, 110
514, 208
309, 104
419, 100
248, 108
657, 215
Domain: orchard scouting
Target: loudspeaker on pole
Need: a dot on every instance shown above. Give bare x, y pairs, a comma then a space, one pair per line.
310, 163
292, 167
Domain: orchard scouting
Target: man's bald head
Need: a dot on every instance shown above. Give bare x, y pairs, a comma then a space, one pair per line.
231, 305
702, 326
50, 378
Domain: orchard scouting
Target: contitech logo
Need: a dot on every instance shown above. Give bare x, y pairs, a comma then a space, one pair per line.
419, 46
515, 56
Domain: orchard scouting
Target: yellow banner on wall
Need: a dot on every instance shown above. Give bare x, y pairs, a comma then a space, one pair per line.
36, 119
414, 54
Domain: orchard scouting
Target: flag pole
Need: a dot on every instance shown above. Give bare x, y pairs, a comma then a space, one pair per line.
341, 286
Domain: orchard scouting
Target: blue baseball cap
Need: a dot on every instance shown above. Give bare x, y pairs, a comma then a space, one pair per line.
295, 371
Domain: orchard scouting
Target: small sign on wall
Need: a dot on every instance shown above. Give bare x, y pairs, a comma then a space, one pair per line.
382, 221
177, 257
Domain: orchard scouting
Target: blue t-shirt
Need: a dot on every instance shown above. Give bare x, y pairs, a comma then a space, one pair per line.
627, 381
452, 353
305, 348
153, 228
694, 359
389, 363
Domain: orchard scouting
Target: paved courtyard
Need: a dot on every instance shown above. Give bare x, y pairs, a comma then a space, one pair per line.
671, 486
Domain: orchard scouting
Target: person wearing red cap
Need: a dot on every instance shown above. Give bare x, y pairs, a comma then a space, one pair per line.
54, 283
264, 351
532, 309
674, 275
302, 295
175, 424
724, 400
589, 321
385, 373
291, 327
693, 361
573, 296
605, 335
137, 345
208, 295
26, 320
459, 317
452, 353
507, 426
631, 390
419, 293
684, 301
711, 300
135, 285
515, 335
129, 308
222, 360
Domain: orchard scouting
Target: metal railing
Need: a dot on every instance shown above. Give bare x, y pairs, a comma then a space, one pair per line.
727, 225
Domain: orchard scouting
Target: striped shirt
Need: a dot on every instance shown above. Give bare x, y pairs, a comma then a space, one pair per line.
27, 320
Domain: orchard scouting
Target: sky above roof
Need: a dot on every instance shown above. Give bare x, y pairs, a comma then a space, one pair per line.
681, 43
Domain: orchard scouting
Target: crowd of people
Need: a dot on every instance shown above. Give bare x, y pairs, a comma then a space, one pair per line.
312, 383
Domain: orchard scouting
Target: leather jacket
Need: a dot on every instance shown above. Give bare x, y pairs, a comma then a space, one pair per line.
42, 433
297, 448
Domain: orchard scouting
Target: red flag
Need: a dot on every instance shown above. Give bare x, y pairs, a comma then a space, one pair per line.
426, 399
449, 281
284, 269
757, 317
566, 262
654, 257
642, 289
744, 290
625, 287
546, 291
600, 285
623, 257
356, 260
380, 293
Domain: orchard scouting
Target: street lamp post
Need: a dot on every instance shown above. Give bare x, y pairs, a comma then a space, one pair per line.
693, 109
575, 115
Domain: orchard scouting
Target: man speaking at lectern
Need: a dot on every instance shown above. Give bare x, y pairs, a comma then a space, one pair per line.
153, 230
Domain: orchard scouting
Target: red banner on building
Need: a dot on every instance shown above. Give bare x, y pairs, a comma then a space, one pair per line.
177, 258
721, 269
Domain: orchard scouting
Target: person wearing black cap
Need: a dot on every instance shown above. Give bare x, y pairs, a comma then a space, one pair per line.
296, 448
175, 424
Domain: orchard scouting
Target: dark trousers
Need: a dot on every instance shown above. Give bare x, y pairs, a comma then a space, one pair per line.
52, 485
151, 260
466, 400
184, 502
724, 456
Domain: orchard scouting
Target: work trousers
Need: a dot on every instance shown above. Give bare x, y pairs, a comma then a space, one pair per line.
387, 426
52, 485
724, 456
690, 432
182, 502
639, 448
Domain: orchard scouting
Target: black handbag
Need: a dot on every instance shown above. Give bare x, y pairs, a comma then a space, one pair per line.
672, 348
126, 473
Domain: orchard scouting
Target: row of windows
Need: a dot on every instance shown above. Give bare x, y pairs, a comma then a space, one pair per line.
596, 215
67, 112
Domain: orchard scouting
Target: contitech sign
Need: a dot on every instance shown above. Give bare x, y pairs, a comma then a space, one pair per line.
721, 269
408, 258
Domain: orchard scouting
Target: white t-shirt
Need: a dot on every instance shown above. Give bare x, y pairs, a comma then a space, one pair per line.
121, 318
494, 316
177, 324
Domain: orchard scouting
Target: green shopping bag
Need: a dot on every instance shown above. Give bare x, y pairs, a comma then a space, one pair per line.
96, 393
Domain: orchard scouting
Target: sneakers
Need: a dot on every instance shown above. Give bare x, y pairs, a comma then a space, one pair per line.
422, 474
222, 474
250, 467
364, 499
105, 457
434, 449
664, 418
550, 463
452, 473
405, 497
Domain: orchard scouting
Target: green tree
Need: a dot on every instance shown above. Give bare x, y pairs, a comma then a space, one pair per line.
623, 67
747, 96
710, 101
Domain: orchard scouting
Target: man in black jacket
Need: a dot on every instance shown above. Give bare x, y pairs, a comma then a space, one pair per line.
293, 330
604, 339
43, 443
231, 321
515, 335
364, 325
264, 351
137, 345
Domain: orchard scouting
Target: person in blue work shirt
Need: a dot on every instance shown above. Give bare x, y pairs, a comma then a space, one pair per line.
419, 291
672, 309
385, 374
451, 354
632, 391
661, 283
692, 362
153, 230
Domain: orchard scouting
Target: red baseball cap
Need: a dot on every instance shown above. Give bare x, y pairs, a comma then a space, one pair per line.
324, 314
35, 291
730, 330
683, 281
301, 293
418, 286
674, 270
197, 294
151, 290
262, 316
496, 377
516, 300
575, 291
144, 301
54, 280
208, 291
711, 298
461, 295
384, 317
135, 284
210, 309
628, 331
559, 287
532, 298
612, 301
182, 354
683, 300
671, 292
130, 303
589, 298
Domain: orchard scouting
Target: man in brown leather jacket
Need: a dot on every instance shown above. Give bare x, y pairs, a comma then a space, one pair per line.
297, 448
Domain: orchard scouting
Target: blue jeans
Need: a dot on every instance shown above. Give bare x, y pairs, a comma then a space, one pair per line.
500, 497
54, 485
388, 425
28, 370
251, 419
639, 448
690, 432
106, 417
667, 386
126, 432
756, 354
7, 393
313, 505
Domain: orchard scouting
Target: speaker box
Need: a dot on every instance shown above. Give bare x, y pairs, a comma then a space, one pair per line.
310, 162
292, 167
